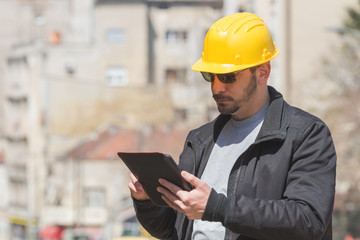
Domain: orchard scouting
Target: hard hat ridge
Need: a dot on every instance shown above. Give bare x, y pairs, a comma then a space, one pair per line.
237, 21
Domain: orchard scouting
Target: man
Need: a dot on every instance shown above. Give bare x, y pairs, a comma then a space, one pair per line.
262, 169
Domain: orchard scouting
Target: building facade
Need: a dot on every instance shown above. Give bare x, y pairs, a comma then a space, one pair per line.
77, 66
71, 67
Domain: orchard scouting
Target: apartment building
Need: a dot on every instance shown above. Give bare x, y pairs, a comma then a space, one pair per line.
71, 66
23, 145
134, 75
25, 124
77, 66
4, 200
179, 32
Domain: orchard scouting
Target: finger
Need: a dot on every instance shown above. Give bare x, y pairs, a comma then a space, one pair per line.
135, 181
135, 188
131, 184
171, 204
132, 187
133, 178
180, 193
174, 199
170, 186
191, 178
167, 193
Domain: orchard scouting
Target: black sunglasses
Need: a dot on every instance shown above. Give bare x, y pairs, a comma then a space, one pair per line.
224, 78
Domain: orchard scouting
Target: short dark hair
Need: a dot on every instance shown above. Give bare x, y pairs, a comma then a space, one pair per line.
253, 69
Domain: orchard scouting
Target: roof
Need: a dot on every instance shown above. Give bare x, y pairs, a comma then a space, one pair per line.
105, 144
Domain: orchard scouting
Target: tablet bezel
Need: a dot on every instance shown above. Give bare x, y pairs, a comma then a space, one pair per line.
148, 167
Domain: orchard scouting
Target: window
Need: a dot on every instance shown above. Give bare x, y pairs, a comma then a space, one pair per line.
181, 114
116, 36
17, 192
175, 36
94, 197
17, 78
116, 76
175, 75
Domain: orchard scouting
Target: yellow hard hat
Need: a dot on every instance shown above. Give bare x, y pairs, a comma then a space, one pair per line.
235, 42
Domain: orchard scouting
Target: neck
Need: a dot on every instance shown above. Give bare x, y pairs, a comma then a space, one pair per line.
254, 105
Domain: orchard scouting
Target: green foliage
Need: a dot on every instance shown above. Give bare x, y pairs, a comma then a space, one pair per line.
353, 18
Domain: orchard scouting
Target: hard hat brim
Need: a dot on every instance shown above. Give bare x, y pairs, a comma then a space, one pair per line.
201, 66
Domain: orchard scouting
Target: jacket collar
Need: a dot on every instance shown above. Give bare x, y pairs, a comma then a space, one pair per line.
277, 118
274, 126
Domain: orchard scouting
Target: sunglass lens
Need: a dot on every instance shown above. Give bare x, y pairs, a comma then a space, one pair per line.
224, 78
227, 78
208, 76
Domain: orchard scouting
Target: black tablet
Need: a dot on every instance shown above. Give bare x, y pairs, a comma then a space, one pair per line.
148, 167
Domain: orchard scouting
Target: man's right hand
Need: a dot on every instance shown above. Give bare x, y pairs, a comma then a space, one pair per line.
137, 190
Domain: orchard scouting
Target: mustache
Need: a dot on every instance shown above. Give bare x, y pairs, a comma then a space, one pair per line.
220, 97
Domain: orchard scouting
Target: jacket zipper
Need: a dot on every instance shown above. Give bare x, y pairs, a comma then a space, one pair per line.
191, 145
234, 191
239, 172
238, 175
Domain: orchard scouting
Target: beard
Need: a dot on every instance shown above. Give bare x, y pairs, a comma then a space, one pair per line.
234, 105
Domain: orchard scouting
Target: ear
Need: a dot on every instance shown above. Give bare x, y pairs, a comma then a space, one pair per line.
264, 73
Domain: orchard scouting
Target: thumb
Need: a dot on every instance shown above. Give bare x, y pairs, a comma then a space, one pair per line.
190, 178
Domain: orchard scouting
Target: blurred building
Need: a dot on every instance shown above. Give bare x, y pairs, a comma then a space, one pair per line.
4, 200
23, 143
70, 68
87, 192
85, 195
73, 66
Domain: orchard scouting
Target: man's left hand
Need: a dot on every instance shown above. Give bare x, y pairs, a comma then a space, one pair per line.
191, 203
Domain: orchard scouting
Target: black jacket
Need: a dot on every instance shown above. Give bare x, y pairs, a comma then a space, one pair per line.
281, 188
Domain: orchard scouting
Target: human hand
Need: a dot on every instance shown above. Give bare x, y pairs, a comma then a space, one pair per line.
191, 203
136, 189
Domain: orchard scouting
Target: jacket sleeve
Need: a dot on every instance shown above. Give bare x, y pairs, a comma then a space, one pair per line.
305, 210
158, 221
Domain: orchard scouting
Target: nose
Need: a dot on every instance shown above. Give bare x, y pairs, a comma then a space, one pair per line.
217, 86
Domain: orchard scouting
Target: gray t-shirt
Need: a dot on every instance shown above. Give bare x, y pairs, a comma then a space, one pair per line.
234, 139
